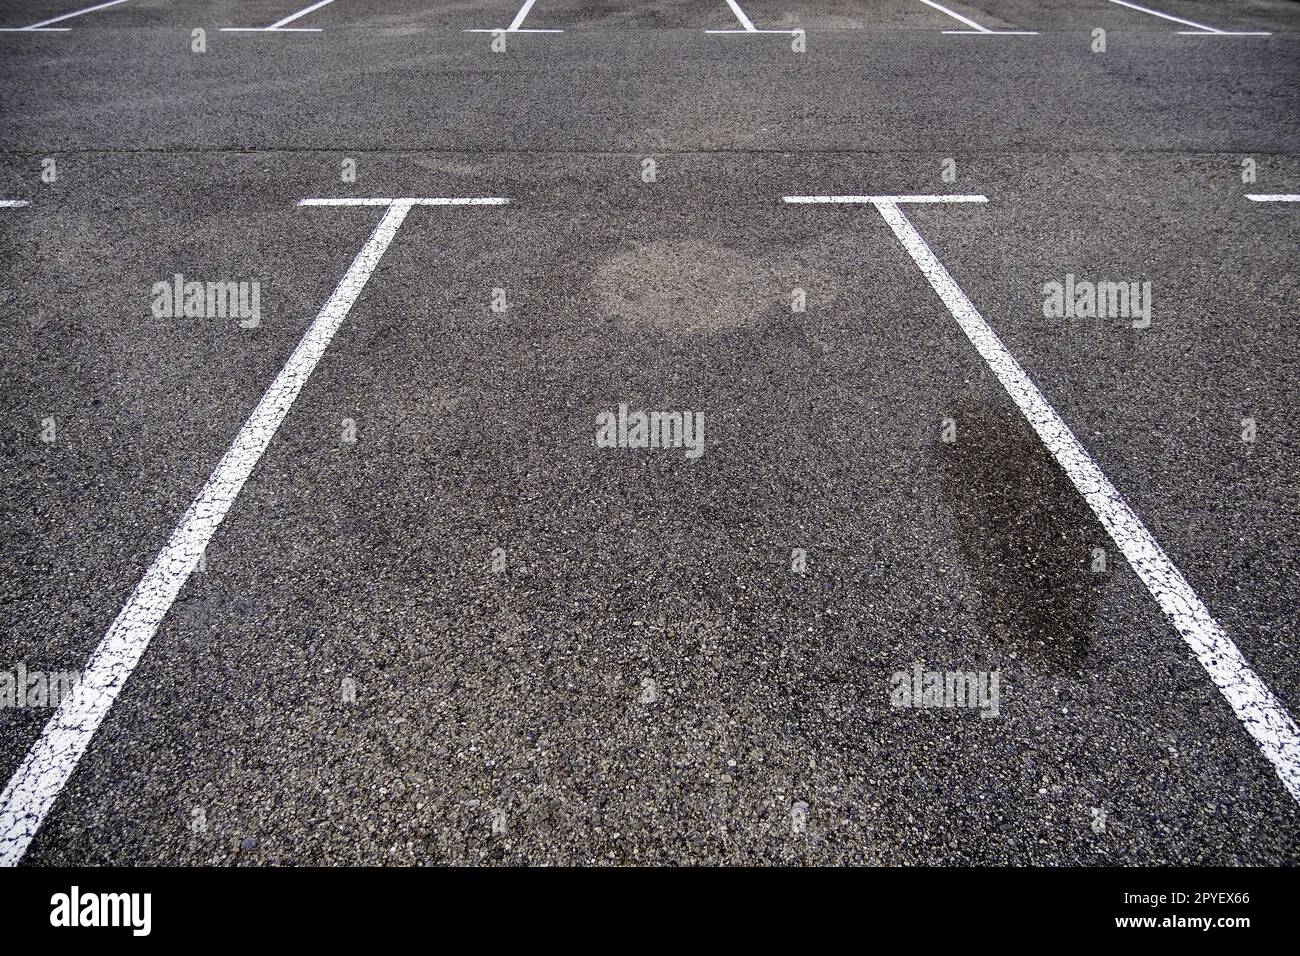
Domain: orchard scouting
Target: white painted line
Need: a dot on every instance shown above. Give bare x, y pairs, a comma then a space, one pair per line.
349, 201
522, 15
49, 764
1273, 197
747, 25
1157, 13
517, 24
876, 199
301, 13
282, 26
67, 16
957, 16
1201, 29
976, 29
12, 203
740, 15
1263, 715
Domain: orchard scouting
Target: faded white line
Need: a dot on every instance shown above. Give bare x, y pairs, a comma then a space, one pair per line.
67, 16
1263, 715
49, 764
1201, 29
1273, 197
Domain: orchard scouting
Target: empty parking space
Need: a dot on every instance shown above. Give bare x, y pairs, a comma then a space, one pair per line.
353, 583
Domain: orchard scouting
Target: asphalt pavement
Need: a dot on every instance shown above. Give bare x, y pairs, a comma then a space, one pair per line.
442, 623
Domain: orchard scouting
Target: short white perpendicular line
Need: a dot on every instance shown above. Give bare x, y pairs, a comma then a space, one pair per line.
1273, 197
411, 201
48, 765
12, 203
67, 16
1262, 714
876, 199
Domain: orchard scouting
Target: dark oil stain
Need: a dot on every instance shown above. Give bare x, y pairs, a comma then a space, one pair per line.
1027, 536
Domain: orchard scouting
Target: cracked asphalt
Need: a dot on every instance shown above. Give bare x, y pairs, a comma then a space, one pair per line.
441, 625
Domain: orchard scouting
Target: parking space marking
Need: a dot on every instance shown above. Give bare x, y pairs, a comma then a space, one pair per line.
1273, 197
44, 25
12, 203
282, 26
747, 25
976, 29
48, 765
1201, 29
517, 24
1263, 715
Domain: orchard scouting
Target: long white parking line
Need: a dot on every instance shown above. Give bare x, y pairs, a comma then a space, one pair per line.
44, 25
976, 28
746, 24
282, 26
1263, 714
517, 24
1201, 29
521, 16
12, 203
45, 770
1273, 197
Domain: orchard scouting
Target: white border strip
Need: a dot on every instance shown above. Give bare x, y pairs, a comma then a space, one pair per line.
45, 771
1264, 716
